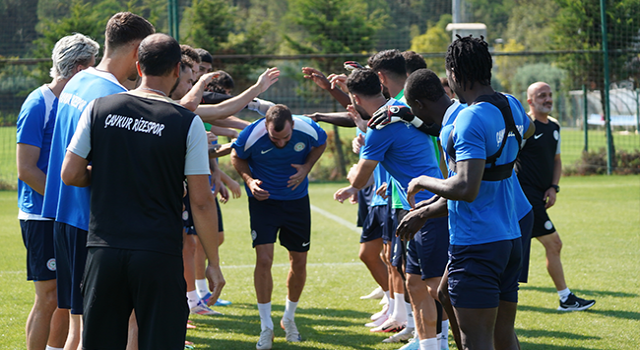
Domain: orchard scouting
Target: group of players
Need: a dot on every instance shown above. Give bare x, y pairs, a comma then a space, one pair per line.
132, 128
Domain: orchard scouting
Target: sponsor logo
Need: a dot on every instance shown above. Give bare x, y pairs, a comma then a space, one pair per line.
254, 235
51, 264
266, 151
299, 146
538, 136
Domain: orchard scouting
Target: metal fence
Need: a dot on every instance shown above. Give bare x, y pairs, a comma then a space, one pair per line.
526, 48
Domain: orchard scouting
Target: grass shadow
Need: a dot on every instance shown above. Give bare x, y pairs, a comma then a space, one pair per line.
543, 333
582, 292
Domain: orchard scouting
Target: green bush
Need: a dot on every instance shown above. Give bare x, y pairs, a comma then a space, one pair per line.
595, 163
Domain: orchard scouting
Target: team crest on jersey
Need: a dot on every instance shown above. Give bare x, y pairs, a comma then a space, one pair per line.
254, 235
51, 264
556, 135
185, 215
299, 146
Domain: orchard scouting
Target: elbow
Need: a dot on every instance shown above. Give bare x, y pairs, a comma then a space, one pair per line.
469, 194
71, 179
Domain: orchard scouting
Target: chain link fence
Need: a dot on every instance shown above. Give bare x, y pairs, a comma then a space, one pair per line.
559, 42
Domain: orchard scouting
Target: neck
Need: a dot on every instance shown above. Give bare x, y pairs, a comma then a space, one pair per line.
150, 83
371, 105
118, 62
56, 86
394, 87
470, 95
539, 116
441, 106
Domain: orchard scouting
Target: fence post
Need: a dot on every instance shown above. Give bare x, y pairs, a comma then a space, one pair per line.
174, 25
637, 111
607, 116
585, 117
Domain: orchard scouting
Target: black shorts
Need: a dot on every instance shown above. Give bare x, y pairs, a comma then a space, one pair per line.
542, 225
37, 236
71, 255
526, 224
118, 281
292, 218
374, 224
482, 275
187, 220
427, 252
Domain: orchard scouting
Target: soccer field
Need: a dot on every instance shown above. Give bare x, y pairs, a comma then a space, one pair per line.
598, 219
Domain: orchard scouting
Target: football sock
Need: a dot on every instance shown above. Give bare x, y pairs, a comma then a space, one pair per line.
202, 287
52, 348
290, 309
265, 316
410, 317
444, 337
192, 299
400, 310
392, 306
564, 294
429, 344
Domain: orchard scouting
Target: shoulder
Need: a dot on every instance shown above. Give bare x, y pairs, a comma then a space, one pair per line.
308, 127
554, 121
251, 134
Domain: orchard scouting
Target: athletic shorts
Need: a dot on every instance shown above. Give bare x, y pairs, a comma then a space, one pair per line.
398, 246
118, 281
292, 218
365, 196
542, 225
390, 225
482, 275
37, 236
71, 255
187, 220
427, 252
526, 224
374, 223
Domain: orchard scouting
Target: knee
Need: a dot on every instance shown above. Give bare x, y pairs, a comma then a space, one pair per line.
189, 246
47, 300
220, 238
264, 260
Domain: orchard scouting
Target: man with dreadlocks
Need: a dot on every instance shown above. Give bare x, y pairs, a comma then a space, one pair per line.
485, 244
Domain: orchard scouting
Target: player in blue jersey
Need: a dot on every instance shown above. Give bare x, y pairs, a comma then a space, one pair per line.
68, 205
485, 251
274, 155
405, 152
70, 55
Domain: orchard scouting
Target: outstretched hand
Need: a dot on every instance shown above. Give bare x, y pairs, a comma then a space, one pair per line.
268, 78
317, 77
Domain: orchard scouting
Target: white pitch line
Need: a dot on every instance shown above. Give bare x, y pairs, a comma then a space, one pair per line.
337, 219
287, 265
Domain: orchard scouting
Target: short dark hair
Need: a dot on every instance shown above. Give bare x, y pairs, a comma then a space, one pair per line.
125, 27
364, 82
222, 82
413, 61
186, 62
278, 115
390, 61
470, 61
205, 56
158, 55
423, 84
191, 52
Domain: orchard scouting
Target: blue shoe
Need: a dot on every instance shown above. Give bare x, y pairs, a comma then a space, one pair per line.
205, 298
221, 302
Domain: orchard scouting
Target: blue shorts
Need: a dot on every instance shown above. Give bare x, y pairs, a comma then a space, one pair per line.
292, 218
390, 225
365, 196
427, 252
71, 256
482, 275
374, 223
526, 224
37, 236
187, 220
398, 246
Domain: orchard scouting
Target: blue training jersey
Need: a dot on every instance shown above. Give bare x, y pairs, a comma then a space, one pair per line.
272, 165
478, 132
380, 176
405, 152
35, 127
69, 204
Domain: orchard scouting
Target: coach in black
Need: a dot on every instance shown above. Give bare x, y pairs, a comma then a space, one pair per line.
141, 146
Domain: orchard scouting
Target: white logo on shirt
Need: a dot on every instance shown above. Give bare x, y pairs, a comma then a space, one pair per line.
537, 136
265, 151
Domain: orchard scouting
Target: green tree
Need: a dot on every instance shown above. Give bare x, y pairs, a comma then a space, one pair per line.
435, 39
207, 24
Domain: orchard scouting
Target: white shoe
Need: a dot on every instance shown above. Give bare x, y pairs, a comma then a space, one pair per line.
413, 344
202, 309
380, 313
378, 322
290, 330
377, 293
403, 335
266, 340
390, 325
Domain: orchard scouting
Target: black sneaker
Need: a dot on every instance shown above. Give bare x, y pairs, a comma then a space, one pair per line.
573, 303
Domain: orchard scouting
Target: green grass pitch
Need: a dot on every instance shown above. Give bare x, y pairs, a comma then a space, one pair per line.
598, 219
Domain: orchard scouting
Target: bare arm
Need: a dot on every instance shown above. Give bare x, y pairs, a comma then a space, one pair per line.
205, 219
219, 150
339, 118
550, 194
28, 171
209, 113
362, 175
304, 169
231, 122
192, 99
412, 222
317, 77
242, 167
75, 170
222, 131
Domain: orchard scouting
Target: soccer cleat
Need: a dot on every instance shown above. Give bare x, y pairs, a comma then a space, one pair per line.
403, 335
378, 322
203, 309
380, 313
390, 325
190, 325
266, 340
377, 293
573, 303
222, 302
290, 330
413, 344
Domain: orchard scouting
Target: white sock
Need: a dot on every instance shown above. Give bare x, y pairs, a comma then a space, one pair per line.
444, 336
564, 294
392, 307
265, 316
429, 344
202, 288
290, 309
400, 310
52, 348
410, 318
192, 299
386, 298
